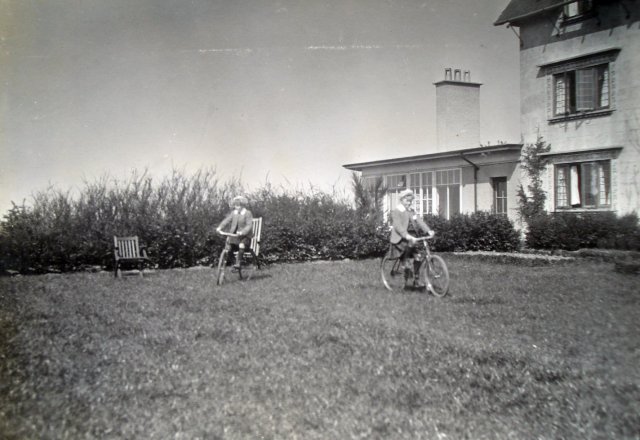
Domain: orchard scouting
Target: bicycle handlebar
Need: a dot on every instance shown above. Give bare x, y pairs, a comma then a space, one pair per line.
425, 238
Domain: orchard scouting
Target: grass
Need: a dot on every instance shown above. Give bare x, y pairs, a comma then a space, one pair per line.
323, 351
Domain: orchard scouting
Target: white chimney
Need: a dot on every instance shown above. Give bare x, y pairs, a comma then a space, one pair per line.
457, 111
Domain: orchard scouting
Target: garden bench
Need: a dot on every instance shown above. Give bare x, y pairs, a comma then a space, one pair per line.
128, 252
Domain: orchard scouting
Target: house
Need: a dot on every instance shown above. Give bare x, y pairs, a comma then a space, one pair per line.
580, 91
460, 176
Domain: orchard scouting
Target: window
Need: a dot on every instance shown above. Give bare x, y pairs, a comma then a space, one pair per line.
422, 186
581, 90
577, 9
582, 86
447, 193
397, 182
436, 192
499, 195
583, 185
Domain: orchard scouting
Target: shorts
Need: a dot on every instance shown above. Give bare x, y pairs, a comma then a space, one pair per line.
237, 240
402, 249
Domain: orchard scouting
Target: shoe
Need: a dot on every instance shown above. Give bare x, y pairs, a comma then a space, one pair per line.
235, 268
421, 288
430, 288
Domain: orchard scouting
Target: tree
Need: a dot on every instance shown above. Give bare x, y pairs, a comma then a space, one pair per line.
531, 203
369, 197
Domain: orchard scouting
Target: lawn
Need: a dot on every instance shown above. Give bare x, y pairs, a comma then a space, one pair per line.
321, 350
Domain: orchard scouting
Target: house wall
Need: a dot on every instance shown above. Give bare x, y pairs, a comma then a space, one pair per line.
544, 41
485, 188
495, 165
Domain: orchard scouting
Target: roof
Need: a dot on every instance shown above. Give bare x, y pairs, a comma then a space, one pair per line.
517, 10
442, 155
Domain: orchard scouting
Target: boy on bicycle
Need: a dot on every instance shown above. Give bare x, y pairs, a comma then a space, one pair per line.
240, 219
403, 243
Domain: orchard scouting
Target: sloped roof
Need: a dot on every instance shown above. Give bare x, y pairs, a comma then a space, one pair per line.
519, 9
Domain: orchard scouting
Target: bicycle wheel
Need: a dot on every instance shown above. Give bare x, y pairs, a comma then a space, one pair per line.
393, 275
222, 264
438, 275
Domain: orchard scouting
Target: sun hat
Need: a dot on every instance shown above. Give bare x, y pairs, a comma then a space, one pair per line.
406, 193
241, 200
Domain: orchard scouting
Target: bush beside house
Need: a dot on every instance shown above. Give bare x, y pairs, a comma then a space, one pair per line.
176, 220
570, 231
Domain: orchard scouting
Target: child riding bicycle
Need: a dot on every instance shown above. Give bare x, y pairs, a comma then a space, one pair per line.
240, 220
402, 242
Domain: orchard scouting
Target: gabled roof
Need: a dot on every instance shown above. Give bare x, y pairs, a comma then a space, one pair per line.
515, 148
517, 10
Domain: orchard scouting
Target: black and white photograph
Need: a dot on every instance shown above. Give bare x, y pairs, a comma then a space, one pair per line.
320, 219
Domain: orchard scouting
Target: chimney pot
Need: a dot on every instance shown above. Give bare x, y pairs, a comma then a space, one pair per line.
456, 75
447, 74
467, 76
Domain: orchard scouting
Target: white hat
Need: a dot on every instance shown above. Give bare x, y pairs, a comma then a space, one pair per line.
241, 200
406, 193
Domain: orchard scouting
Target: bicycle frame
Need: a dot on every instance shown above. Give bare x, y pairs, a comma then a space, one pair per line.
436, 271
430, 268
427, 249
423, 255
245, 271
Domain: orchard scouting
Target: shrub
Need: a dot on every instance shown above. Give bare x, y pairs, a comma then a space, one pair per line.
532, 204
176, 218
479, 231
572, 231
314, 225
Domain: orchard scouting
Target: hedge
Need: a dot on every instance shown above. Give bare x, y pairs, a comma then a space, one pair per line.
571, 231
176, 219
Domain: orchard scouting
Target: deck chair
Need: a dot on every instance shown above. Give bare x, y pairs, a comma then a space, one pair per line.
256, 225
128, 252
254, 246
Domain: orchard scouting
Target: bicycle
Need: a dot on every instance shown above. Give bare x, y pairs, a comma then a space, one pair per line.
249, 264
432, 271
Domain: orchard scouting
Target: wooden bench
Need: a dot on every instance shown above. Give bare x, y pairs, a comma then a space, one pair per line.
128, 252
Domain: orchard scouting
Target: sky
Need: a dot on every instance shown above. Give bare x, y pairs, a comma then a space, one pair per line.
278, 91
